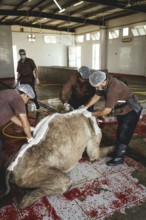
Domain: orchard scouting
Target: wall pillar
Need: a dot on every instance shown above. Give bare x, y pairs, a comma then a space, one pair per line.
103, 48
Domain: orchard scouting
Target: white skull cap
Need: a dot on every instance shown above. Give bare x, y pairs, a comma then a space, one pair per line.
84, 72
97, 77
26, 89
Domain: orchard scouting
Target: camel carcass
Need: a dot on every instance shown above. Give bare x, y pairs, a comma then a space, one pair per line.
59, 142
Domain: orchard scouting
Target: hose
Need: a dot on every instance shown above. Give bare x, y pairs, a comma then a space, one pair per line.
11, 136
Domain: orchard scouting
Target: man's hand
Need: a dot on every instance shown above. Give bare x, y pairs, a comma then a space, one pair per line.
32, 129
68, 107
29, 140
37, 81
82, 107
87, 114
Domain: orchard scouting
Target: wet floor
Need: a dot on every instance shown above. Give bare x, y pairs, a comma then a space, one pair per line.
98, 191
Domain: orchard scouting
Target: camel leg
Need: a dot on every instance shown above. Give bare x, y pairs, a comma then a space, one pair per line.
94, 151
104, 151
92, 147
57, 183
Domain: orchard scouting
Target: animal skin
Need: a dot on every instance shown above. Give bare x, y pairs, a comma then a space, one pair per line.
43, 167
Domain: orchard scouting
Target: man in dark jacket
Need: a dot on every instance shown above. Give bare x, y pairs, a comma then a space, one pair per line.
28, 73
77, 91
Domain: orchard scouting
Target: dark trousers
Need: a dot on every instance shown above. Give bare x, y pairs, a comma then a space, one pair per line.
126, 126
76, 103
0, 152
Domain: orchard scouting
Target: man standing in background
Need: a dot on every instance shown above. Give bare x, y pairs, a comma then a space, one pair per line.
28, 73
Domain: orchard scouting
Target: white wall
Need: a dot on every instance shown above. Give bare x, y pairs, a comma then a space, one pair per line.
86, 54
115, 55
6, 55
127, 57
43, 54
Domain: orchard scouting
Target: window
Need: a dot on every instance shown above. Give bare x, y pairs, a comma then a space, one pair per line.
144, 27
95, 36
78, 56
141, 30
50, 39
95, 56
74, 56
135, 32
113, 34
79, 38
110, 35
125, 31
87, 36
117, 33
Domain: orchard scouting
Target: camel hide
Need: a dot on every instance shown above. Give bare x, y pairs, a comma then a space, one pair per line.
59, 142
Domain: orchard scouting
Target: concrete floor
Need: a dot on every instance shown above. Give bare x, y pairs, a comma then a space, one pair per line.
98, 191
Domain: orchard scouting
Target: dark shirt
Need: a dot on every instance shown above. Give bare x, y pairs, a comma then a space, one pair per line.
11, 104
25, 69
116, 90
77, 88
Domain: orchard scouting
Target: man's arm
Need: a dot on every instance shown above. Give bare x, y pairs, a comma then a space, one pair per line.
16, 121
24, 123
67, 89
35, 72
92, 101
103, 112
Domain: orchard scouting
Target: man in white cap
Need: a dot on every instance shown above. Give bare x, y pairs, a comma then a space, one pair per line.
119, 98
77, 91
12, 102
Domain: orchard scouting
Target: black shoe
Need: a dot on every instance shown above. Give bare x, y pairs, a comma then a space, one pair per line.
115, 161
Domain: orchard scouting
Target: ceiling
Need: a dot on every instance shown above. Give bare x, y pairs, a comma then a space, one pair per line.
68, 14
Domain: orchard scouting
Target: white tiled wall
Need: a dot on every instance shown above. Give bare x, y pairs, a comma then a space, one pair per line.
6, 56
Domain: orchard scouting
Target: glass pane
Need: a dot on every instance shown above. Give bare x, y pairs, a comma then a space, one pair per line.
80, 38
95, 56
125, 31
114, 34
117, 33
74, 56
110, 35
87, 36
95, 36
135, 32
141, 30
78, 56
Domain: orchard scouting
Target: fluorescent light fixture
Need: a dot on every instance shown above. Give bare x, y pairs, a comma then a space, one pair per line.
78, 3
34, 22
31, 38
57, 5
62, 10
